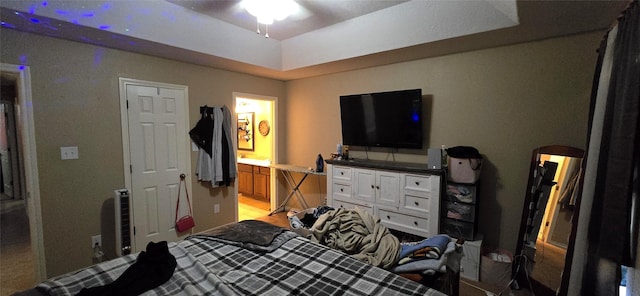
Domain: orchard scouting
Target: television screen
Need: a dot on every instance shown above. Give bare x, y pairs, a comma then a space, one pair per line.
386, 119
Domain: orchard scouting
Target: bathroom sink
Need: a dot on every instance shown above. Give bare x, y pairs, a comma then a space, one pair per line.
253, 161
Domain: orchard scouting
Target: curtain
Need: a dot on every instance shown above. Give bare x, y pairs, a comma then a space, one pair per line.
607, 224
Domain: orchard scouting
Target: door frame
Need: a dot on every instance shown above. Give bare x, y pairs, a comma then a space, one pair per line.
273, 122
13, 149
28, 156
123, 82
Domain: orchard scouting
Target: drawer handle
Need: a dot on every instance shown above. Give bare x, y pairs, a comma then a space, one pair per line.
417, 183
341, 190
388, 217
372, 187
342, 173
417, 203
415, 223
377, 187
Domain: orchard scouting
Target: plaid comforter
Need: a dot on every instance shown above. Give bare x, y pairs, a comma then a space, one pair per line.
208, 266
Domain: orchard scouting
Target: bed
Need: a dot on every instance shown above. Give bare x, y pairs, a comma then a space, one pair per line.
248, 258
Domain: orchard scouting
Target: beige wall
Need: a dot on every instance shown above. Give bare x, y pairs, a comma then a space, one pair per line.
504, 101
76, 103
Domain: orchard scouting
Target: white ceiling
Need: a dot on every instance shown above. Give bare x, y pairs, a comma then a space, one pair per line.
310, 16
326, 36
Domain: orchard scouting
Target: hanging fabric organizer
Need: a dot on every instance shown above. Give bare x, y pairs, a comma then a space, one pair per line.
216, 154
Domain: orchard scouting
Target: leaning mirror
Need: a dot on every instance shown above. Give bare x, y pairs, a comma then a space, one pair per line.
547, 232
245, 131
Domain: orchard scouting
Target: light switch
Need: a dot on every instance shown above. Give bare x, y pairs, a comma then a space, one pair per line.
69, 152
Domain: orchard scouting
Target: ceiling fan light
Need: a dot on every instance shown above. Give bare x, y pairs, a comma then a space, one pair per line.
266, 11
281, 9
265, 19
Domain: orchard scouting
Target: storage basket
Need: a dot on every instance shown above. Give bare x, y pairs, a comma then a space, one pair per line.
464, 165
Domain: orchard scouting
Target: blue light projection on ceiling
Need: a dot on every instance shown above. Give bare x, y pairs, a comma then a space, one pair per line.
50, 18
75, 17
7, 25
80, 16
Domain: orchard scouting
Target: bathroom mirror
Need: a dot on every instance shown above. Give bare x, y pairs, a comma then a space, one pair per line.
245, 131
547, 230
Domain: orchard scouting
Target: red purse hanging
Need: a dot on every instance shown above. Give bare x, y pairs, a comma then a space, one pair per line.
185, 222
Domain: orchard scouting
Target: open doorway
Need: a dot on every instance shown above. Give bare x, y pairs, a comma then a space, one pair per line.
10, 168
22, 250
255, 129
559, 209
555, 228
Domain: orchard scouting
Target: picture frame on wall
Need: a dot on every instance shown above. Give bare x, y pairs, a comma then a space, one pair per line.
245, 131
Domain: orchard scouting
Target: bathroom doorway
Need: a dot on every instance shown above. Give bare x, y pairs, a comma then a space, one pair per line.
255, 118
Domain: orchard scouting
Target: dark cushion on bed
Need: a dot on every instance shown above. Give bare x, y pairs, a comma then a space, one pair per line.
248, 231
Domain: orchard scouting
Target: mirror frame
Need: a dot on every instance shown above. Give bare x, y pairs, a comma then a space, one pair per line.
560, 150
245, 127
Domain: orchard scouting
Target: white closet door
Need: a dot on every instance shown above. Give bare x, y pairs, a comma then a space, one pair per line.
158, 140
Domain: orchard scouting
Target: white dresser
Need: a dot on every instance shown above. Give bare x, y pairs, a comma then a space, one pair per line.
406, 197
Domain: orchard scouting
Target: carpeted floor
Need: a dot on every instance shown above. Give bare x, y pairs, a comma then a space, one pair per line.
16, 259
549, 264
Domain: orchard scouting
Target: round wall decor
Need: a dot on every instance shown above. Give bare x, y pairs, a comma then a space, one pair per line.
263, 127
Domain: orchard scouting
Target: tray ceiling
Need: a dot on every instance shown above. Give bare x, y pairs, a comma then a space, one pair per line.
325, 36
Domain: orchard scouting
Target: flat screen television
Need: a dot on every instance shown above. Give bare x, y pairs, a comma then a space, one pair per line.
385, 119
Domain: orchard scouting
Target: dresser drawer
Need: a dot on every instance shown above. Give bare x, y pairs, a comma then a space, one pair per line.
406, 223
341, 173
417, 183
341, 191
418, 203
347, 205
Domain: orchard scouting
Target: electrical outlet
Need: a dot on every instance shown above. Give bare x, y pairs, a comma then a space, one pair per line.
216, 208
69, 152
96, 239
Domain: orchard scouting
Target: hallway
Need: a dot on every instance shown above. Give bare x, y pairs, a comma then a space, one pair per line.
16, 260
